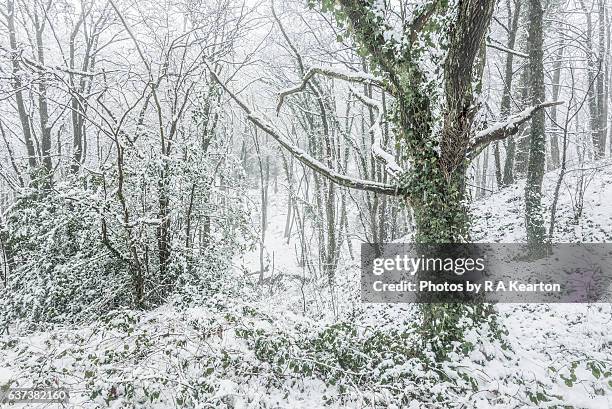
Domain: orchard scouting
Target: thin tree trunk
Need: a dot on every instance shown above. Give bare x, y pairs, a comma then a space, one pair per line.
534, 215
556, 86
77, 136
497, 160
593, 114
264, 180
562, 171
522, 142
601, 92
24, 117
43, 107
513, 21
485, 167
609, 80
188, 217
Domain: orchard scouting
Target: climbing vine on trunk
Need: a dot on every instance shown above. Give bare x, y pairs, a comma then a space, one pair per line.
433, 117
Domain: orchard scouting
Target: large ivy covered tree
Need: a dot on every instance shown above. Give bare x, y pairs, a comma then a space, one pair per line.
429, 58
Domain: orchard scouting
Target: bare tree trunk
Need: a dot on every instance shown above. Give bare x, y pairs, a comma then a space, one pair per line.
75, 103
602, 120
17, 87
383, 224
264, 181
288, 168
188, 217
534, 215
163, 231
562, 172
608, 80
288, 218
497, 161
43, 107
522, 142
556, 86
11, 156
6, 258
593, 114
330, 203
513, 21
485, 167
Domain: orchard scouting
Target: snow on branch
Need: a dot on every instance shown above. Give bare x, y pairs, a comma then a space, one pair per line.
342, 180
391, 166
358, 77
510, 126
16, 54
507, 50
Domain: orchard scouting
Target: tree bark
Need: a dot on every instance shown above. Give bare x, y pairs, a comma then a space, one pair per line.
556, 86
592, 103
24, 117
513, 20
522, 142
534, 215
43, 107
440, 209
602, 114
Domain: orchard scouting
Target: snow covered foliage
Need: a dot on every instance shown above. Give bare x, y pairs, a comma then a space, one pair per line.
228, 354
231, 355
184, 188
73, 249
251, 347
62, 271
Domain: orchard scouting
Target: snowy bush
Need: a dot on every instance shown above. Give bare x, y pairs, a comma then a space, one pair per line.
73, 253
385, 366
61, 269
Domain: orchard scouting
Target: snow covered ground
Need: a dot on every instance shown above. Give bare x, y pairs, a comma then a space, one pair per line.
553, 341
293, 345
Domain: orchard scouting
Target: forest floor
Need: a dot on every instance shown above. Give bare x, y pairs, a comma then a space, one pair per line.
291, 344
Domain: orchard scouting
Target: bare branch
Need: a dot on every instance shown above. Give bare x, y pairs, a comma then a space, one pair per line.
358, 77
391, 166
133, 37
507, 50
300, 61
301, 155
16, 54
504, 129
